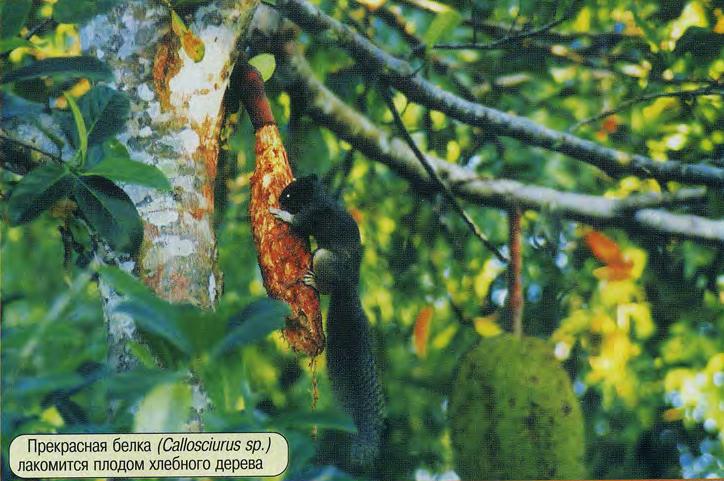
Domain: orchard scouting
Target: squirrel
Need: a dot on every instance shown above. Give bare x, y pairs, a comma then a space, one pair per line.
311, 211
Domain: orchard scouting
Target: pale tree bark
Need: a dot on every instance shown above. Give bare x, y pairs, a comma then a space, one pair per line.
176, 116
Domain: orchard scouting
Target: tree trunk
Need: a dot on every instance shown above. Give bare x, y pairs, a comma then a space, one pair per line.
176, 115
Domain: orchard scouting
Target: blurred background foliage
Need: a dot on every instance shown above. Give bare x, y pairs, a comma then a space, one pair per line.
636, 319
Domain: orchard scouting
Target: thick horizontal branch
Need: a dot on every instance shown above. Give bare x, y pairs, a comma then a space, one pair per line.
328, 110
401, 75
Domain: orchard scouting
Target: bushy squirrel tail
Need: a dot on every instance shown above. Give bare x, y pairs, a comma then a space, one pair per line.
353, 373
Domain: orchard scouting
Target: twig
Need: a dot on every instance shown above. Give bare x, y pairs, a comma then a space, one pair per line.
557, 37
436, 178
440, 64
30, 34
23, 145
348, 124
508, 37
514, 302
401, 75
683, 94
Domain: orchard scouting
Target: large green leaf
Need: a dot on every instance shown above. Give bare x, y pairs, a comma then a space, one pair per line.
105, 112
116, 164
80, 128
110, 212
160, 320
443, 23
151, 313
38, 191
43, 384
252, 324
133, 384
8, 44
15, 106
78, 11
83, 66
164, 409
265, 63
13, 14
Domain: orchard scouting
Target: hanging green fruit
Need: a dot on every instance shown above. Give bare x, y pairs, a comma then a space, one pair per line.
513, 414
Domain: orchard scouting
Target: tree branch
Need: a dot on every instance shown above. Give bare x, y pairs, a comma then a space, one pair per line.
510, 37
328, 110
436, 178
514, 302
400, 74
682, 94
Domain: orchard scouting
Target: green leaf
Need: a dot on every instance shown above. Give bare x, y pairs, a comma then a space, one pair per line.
142, 353
80, 128
78, 11
117, 166
132, 384
252, 324
109, 212
13, 15
702, 43
73, 67
334, 420
164, 409
9, 44
38, 191
443, 23
105, 112
126, 284
177, 24
34, 385
265, 63
160, 320
15, 106
151, 313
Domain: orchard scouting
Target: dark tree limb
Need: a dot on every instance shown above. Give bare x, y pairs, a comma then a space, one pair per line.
436, 178
640, 214
401, 75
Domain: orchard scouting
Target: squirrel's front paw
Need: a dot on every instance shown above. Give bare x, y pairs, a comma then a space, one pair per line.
281, 215
310, 279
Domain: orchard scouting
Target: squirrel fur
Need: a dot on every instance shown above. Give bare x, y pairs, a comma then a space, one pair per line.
311, 211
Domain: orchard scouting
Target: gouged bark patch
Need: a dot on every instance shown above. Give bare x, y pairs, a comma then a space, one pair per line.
208, 154
284, 257
153, 280
166, 64
179, 285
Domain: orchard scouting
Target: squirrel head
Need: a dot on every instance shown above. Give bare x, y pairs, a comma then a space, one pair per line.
300, 193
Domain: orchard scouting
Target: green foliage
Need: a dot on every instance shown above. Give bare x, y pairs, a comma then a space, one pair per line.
513, 413
265, 63
78, 11
13, 14
443, 24
115, 164
61, 67
38, 191
93, 121
652, 415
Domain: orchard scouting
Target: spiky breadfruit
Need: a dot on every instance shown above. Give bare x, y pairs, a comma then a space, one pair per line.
513, 414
